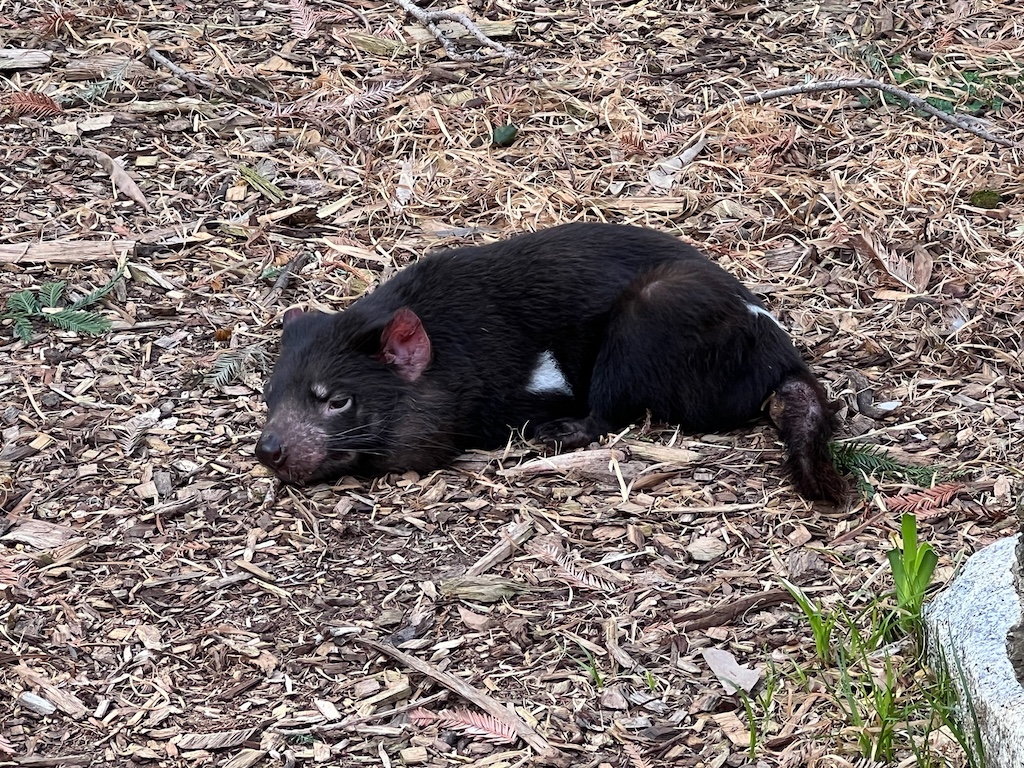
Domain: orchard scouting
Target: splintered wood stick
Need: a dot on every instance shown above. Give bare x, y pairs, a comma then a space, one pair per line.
460, 687
66, 252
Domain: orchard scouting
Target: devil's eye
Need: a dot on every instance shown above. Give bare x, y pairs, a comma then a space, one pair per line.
339, 404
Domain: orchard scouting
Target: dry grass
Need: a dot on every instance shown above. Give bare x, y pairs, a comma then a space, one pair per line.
180, 608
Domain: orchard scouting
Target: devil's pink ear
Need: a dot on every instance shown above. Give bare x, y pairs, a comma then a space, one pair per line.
291, 315
404, 344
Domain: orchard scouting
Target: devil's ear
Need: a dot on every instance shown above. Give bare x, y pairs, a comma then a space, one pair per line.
294, 313
405, 345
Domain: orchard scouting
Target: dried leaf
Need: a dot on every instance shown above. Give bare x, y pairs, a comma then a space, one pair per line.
922, 271
149, 636
39, 534
118, 175
612, 698
898, 268
730, 674
474, 620
733, 728
482, 589
144, 273
704, 549
404, 187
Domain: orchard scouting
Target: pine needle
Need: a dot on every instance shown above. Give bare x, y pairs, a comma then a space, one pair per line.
34, 104
550, 549
475, 724
136, 429
868, 463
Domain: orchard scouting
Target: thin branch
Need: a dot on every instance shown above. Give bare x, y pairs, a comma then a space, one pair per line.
692, 621
202, 82
353, 722
460, 687
291, 268
428, 19
965, 122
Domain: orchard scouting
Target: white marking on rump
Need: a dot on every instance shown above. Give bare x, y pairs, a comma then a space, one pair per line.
756, 310
548, 377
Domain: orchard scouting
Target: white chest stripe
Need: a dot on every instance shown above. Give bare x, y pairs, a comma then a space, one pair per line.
548, 377
756, 310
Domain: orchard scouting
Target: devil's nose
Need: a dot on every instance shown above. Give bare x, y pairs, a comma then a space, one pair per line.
270, 451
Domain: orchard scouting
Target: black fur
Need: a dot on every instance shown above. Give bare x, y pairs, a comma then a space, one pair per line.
635, 319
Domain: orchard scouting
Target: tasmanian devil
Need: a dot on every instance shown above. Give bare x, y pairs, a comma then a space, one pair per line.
567, 334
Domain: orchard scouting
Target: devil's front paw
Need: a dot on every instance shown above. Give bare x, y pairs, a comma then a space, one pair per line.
566, 434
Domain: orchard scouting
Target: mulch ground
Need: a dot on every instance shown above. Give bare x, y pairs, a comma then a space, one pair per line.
166, 602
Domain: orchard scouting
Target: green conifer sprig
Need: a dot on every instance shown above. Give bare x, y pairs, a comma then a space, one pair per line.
25, 306
50, 294
23, 327
874, 460
22, 303
79, 321
91, 298
867, 461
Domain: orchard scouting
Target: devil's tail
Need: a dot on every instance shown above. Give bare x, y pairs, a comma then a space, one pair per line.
806, 421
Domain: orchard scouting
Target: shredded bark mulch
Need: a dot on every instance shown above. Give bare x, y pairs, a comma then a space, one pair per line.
166, 602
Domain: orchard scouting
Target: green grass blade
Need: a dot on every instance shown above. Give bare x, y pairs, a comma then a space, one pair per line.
909, 528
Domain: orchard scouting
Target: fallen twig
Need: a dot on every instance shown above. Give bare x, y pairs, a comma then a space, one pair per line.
512, 537
721, 614
465, 690
965, 122
184, 74
67, 252
428, 19
291, 268
587, 462
855, 532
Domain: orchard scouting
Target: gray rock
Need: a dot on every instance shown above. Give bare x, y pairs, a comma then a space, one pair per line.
969, 624
1015, 641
